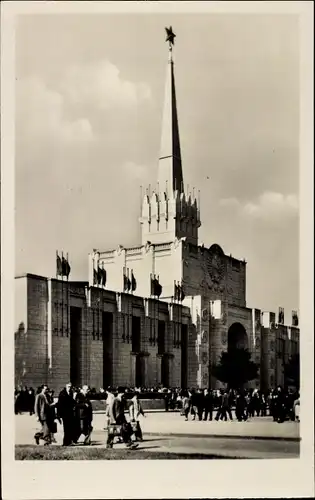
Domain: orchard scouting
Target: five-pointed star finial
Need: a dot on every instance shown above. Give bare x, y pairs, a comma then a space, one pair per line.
170, 36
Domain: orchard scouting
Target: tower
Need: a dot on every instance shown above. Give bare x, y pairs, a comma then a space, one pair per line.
169, 212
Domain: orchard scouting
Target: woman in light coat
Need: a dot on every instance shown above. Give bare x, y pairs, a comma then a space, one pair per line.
135, 410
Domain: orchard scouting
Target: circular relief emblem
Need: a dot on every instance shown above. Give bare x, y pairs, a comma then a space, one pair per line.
204, 358
257, 342
215, 265
224, 318
204, 314
224, 338
204, 336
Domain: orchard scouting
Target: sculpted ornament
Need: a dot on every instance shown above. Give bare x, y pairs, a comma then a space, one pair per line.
204, 358
204, 336
257, 342
205, 379
204, 314
224, 338
215, 264
224, 318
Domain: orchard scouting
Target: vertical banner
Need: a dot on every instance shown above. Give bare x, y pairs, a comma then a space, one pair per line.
62, 305
49, 328
68, 297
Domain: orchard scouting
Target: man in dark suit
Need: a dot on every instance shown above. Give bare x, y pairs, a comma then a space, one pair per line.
208, 404
42, 412
65, 411
83, 416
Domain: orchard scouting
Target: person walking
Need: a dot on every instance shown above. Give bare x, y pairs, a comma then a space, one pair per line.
31, 400
240, 407
135, 410
43, 414
186, 401
117, 417
219, 414
65, 412
83, 416
208, 404
109, 401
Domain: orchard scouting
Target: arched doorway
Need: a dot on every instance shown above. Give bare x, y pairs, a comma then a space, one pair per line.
237, 337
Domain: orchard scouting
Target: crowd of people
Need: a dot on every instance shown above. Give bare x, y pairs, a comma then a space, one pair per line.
73, 409
202, 404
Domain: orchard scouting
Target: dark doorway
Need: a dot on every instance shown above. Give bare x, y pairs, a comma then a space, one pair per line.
135, 333
107, 335
75, 345
184, 355
140, 371
165, 371
161, 337
237, 337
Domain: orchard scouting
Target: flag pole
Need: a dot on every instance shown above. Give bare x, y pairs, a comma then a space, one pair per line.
57, 289
98, 301
56, 264
68, 297
62, 304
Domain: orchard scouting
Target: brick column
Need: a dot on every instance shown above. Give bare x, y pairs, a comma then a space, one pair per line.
133, 358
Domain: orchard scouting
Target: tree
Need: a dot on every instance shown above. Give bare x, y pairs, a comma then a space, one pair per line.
235, 368
292, 371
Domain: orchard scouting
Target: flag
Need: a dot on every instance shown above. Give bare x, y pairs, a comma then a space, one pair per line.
127, 282
95, 277
133, 282
176, 291
103, 276
179, 293
281, 316
295, 318
158, 289
152, 284
58, 265
65, 267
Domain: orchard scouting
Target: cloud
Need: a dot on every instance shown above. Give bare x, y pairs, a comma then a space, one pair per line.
41, 113
100, 84
268, 205
230, 203
88, 100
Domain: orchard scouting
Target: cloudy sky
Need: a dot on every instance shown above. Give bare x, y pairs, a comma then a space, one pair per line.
89, 99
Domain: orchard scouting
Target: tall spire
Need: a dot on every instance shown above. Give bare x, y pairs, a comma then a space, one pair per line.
170, 174
168, 213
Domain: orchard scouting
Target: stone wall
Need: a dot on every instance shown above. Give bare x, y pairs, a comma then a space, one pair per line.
31, 337
198, 275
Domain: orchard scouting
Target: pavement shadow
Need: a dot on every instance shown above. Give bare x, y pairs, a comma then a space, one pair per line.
148, 447
155, 439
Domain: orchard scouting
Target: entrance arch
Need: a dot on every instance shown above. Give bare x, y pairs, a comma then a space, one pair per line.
237, 337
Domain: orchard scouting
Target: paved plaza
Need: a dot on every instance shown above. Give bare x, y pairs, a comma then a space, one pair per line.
259, 437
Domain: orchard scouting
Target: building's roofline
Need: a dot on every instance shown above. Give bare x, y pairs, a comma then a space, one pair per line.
31, 275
